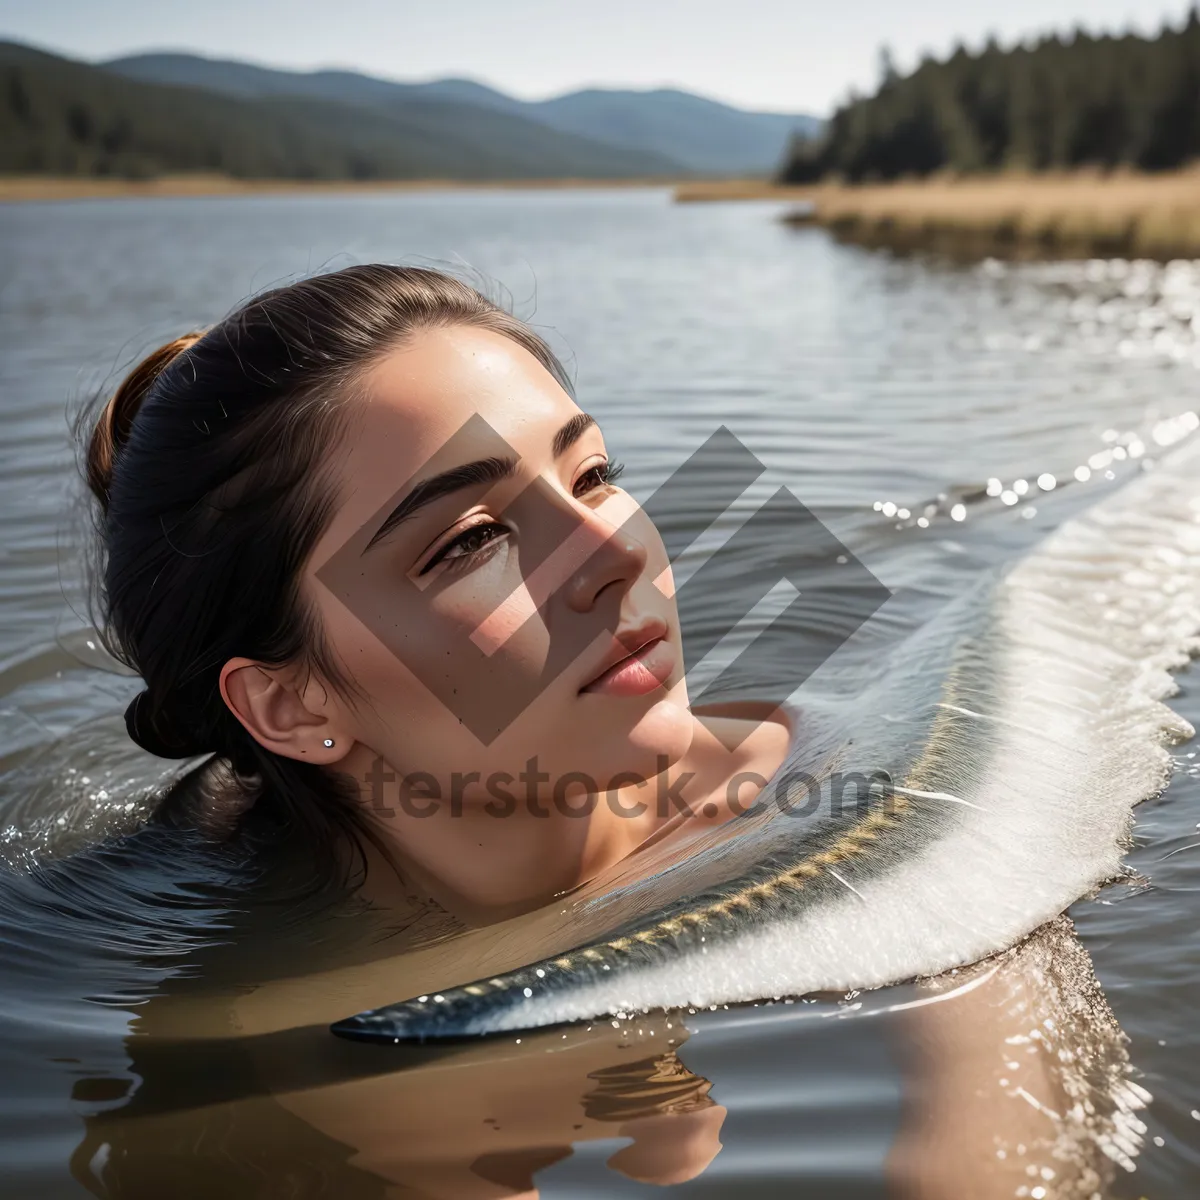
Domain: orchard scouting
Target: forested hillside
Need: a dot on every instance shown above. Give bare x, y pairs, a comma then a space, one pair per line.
59, 117
1061, 103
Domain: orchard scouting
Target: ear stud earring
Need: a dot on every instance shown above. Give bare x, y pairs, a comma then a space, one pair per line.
328, 743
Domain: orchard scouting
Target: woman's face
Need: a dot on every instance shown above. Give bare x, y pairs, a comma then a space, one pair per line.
480, 579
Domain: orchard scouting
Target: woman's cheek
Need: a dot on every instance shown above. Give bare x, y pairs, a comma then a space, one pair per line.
486, 611
492, 628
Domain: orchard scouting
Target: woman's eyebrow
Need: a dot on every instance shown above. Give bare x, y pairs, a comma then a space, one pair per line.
483, 470
571, 432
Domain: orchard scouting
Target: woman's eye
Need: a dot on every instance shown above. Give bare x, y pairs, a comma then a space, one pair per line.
470, 541
601, 475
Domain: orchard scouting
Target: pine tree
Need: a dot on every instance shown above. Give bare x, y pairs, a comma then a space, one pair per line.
1058, 103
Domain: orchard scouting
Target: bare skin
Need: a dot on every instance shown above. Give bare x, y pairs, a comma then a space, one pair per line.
467, 603
1015, 1080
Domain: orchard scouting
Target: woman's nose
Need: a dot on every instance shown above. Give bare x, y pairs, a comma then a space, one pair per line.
616, 558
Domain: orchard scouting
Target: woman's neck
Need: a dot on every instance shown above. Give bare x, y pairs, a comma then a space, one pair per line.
483, 869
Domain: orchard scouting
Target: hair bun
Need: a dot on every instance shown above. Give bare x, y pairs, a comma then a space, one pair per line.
116, 419
153, 733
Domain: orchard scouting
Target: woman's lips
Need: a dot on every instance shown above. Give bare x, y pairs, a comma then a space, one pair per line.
647, 668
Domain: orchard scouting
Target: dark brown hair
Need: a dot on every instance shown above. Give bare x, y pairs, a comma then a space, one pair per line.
207, 466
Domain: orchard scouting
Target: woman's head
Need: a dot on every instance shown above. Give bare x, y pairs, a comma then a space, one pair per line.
362, 520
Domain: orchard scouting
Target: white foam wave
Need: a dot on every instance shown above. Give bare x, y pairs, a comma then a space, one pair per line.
1067, 733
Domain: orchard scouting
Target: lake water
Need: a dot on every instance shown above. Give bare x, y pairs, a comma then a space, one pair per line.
885, 393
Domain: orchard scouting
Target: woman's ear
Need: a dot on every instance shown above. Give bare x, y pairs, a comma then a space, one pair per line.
271, 707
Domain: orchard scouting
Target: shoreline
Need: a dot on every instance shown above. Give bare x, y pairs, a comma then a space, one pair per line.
1078, 215
1075, 215
34, 189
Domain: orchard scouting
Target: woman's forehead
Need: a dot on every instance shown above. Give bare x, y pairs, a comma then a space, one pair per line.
444, 380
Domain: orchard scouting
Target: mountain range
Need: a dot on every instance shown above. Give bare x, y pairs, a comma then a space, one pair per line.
692, 132
162, 113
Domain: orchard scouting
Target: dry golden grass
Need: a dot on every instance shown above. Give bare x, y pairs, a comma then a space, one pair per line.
710, 190
1128, 215
33, 188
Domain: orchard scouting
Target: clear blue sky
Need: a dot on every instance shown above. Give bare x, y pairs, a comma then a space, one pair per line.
787, 55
